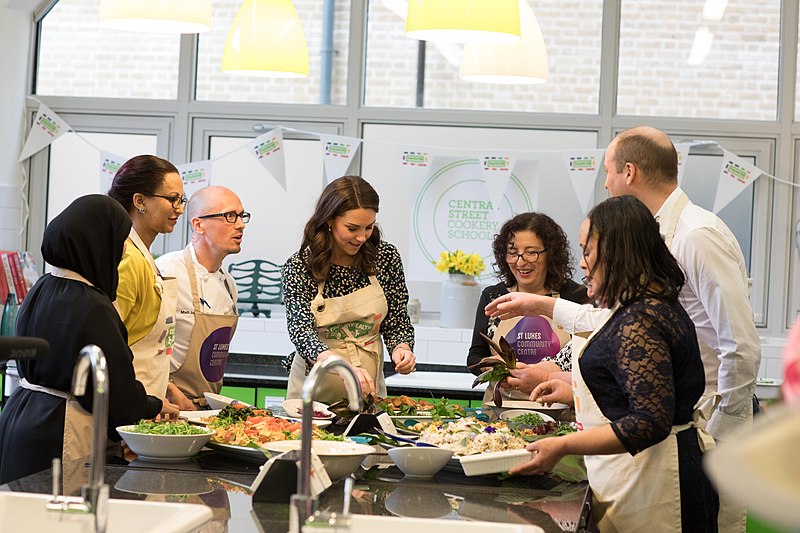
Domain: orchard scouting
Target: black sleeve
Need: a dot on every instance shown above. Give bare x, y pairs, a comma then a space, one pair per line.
479, 347
574, 292
128, 402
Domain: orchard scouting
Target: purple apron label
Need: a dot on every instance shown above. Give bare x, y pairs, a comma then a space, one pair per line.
533, 339
214, 354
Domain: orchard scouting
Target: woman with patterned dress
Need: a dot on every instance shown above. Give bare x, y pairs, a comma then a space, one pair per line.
345, 294
635, 381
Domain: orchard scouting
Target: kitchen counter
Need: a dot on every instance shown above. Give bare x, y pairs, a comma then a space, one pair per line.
221, 483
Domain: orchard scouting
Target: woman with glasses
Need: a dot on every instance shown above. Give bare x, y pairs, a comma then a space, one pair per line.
532, 255
207, 315
150, 189
346, 294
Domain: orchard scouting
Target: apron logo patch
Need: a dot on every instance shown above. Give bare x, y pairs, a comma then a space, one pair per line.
336, 332
359, 328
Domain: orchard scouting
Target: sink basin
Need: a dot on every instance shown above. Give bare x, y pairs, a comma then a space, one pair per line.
22, 511
386, 524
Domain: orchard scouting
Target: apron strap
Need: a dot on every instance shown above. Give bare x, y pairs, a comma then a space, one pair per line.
25, 384
187, 257
674, 215
69, 274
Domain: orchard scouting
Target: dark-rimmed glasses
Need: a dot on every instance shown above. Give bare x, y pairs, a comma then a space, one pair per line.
231, 216
176, 201
528, 256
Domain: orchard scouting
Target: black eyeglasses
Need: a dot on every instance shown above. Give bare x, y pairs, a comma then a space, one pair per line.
176, 201
528, 256
231, 216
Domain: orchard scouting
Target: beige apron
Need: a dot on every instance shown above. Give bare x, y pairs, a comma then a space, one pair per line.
350, 326
207, 355
731, 517
151, 354
631, 493
503, 329
77, 441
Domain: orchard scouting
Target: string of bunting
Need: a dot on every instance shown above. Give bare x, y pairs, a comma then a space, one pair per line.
339, 154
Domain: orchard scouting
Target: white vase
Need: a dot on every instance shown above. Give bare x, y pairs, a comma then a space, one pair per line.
460, 296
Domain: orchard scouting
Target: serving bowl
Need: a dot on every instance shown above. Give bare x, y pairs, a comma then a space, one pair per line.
217, 401
294, 408
511, 414
164, 447
556, 410
419, 462
340, 458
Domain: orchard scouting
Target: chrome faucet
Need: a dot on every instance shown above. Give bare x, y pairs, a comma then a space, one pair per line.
303, 500
95, 494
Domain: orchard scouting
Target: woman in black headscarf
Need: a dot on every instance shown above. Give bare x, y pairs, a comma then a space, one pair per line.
70, 308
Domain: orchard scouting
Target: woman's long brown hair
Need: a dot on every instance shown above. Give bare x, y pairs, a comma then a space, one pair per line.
341, 195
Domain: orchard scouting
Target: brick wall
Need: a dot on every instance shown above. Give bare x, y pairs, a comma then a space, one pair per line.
738, 79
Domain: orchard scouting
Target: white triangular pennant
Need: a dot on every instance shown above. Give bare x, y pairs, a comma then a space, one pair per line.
496, 169
527, 172
195, 176
583, 166
735, 175
683, 156
415, 165
268, 149
338, 154
46, 128
108, 165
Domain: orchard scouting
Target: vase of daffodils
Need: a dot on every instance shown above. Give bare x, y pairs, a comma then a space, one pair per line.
460, 292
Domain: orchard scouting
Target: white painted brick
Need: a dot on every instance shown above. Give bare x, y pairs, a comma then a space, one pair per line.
773, 368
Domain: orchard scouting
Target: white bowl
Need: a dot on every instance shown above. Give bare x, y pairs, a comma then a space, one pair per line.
340, 458
294, 408
217, 401
494, 462
514, 413
164, 447
421, 462
555, 410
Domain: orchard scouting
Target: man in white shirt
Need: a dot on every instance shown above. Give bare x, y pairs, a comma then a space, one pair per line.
206, 309
643, 162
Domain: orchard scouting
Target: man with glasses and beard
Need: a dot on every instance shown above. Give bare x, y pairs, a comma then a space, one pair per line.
206, 311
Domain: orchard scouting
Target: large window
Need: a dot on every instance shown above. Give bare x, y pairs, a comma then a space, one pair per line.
684, 59
401, 72
78, 58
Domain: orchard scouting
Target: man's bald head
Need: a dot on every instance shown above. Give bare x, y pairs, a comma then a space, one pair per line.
210, 200
652, 152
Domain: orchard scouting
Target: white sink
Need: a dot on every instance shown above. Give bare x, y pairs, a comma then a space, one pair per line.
22, 511
360, 523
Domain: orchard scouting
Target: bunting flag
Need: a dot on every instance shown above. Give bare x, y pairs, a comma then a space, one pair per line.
109, 164
46, 128
496, 170
268, 149
583, 166
683, 156
338, 154
415, 164
735, 176
195, 176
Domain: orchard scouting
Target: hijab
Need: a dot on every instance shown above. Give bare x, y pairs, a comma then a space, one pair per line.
88, 238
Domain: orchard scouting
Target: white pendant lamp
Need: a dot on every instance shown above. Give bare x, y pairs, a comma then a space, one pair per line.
156, 16
266, 39
463, 21
509, 63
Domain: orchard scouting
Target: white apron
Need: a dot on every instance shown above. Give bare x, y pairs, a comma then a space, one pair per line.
350, 327
207, 355
630, 493
503, 329
732, 518
77, 441
151, 354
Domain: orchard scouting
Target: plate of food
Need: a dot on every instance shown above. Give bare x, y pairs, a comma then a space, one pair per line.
164, 441
294, 408
247, 453
199, 418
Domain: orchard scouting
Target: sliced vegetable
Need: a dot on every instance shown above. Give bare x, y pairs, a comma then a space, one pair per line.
151, 427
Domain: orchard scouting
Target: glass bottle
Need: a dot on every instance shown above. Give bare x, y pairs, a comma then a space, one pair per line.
9, 320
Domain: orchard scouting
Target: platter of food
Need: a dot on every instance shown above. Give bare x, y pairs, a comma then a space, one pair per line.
255, 455
555, 409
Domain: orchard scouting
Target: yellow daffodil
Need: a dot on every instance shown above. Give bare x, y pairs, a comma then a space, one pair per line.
459, 262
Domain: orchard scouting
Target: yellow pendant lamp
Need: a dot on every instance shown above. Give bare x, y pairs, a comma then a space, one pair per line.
463, 21
509, 63
156, 16
266, 39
